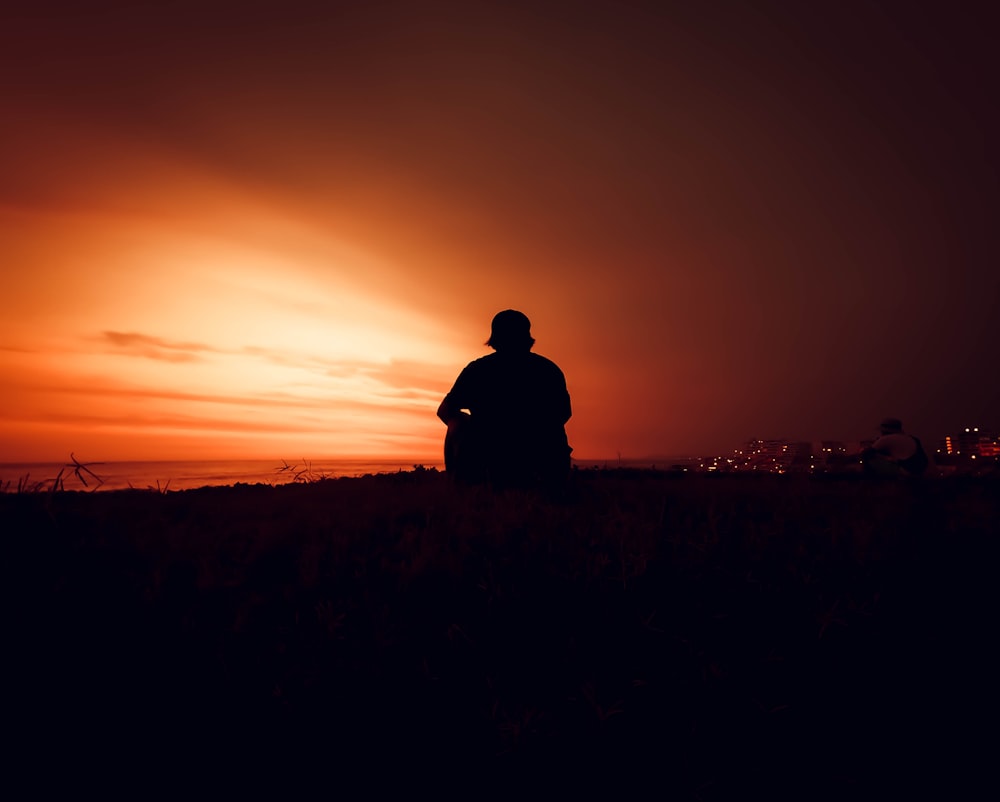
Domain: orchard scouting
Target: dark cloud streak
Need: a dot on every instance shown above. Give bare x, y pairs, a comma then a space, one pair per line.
144, 345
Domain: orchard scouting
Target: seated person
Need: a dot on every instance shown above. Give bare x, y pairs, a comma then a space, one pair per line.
895, 453
506, 413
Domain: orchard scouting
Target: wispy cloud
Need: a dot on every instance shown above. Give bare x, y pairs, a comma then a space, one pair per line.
281, 400
176, 422
190, 389
11, 350
149, 347
265, 402
335, 368
409, 375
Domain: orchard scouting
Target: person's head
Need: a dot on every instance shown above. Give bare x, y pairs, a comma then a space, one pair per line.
890, 426
510, 331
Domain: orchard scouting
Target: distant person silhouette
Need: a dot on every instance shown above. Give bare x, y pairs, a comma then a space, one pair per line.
895, 452
506, 413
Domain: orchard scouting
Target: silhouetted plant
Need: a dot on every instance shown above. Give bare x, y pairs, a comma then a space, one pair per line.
26, 485
82, 471
304, 474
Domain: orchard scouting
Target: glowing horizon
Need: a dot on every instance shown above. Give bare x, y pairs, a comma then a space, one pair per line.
144, 339
258, 232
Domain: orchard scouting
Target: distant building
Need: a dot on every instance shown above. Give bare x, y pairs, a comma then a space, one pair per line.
829, 455
773, 456
973, 441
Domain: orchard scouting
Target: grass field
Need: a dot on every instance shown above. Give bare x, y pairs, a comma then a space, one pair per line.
729, 635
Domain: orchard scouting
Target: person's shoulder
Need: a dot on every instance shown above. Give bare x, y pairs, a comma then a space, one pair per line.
543, 360
484, 361
477, 367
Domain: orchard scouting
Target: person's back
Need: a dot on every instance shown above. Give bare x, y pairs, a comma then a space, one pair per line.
518, 405
897, 446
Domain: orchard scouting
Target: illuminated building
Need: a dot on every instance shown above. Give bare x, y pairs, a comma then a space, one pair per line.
830, 447
973, 441
773, 456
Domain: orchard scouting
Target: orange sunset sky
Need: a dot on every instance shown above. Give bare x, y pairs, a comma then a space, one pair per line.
281, 229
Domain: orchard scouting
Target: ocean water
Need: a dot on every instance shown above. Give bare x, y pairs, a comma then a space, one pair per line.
184, 475
169, 475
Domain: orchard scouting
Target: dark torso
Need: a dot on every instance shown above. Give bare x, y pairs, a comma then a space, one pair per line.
519, 406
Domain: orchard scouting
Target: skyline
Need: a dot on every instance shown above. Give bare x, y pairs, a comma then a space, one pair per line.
946, 445
260, 231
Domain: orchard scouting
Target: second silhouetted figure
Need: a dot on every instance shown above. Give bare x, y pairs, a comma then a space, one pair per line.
507, 411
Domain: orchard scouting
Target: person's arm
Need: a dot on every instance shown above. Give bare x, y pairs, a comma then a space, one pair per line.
447, 411
565, 407
450, 409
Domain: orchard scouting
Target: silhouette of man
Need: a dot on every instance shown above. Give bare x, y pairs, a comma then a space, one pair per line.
895, 452
507, 411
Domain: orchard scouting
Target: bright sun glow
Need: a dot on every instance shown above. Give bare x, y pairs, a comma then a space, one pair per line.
138, 338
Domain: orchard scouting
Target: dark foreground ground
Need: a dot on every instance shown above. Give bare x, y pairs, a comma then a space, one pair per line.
724, 635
